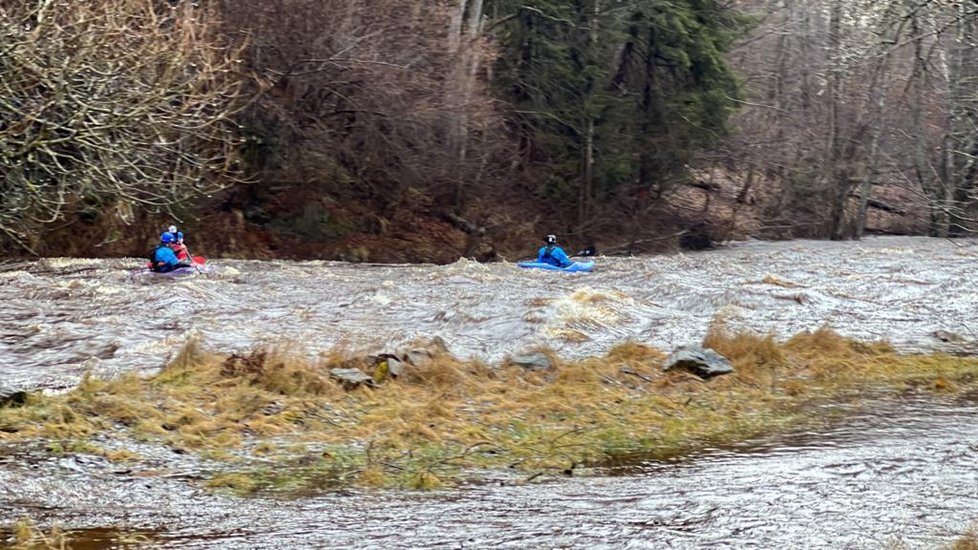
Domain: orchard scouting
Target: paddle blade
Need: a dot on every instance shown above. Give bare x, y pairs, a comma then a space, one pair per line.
589, 251
199, 260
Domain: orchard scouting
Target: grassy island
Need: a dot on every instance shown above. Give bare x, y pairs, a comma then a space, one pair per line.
275, 421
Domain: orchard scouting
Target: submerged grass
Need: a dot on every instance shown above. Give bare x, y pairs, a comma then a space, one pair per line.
26, 535
275, 421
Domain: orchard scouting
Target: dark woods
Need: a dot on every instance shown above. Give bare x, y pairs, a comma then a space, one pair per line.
346, 128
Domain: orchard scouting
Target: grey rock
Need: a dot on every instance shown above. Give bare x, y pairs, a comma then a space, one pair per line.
351, 378
947, 336
703, 362
395, 367
422, 355
419, 357
532, 361
12, 397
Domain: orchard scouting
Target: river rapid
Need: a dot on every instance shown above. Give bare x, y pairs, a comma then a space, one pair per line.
61, 317
903, 470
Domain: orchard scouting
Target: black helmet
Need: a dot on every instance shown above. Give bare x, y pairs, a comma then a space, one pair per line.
550, 239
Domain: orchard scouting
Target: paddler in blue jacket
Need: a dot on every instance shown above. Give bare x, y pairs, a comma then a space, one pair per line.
164, 258
552, 254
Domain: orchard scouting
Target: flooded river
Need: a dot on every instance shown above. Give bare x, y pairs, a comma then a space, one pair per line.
908, 474
898, 471
59, 317
901, 472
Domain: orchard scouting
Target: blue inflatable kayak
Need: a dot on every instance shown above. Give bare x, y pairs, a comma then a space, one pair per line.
576, 266
146, 273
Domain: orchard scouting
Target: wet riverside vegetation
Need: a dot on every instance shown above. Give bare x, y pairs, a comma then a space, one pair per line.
26, 535
967, 541
274, 422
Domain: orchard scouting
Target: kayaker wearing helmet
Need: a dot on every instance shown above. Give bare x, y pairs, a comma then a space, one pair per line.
179, 248
164, 259
552, 254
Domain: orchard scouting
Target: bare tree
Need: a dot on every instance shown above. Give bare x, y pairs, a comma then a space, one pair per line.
372, 100
109, 104
854, 102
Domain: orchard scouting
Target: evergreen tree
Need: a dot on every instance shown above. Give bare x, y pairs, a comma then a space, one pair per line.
613, 93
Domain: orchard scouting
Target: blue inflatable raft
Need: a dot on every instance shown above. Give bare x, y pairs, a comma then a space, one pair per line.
574, 267
145, 273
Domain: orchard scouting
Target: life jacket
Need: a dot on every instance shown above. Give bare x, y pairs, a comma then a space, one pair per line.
549, 252
152, 258
181, 251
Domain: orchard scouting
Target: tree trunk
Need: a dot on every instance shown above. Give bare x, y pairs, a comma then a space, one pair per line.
877, 102
587, 172
462, 44
961, 160
833, 170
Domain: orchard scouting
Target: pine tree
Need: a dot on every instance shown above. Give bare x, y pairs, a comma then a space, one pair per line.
609, 94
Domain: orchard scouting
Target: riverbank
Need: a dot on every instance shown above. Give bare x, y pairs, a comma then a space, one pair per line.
274, 422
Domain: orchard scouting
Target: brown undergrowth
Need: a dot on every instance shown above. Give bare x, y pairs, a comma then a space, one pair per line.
274, 420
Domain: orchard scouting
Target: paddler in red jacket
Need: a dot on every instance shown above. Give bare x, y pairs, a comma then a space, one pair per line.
178, 247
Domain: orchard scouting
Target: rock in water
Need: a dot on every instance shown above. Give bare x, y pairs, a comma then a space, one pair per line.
703, 362
532, 361
12, 397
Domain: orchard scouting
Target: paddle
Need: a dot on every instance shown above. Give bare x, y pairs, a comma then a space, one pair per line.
198, 261
587, 252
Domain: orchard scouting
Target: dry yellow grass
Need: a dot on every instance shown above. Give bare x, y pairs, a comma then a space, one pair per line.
428, 427
967, 541
26, 535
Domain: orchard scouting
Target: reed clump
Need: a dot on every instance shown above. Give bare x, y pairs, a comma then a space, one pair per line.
28, 536
279, 421
25, 534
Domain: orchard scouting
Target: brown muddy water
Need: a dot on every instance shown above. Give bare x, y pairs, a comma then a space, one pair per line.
59, 317
897, 471
900, 474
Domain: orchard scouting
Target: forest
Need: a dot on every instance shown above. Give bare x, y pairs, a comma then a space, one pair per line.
375, 130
